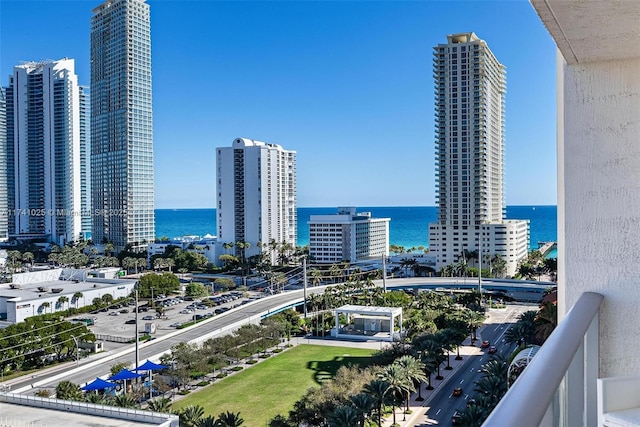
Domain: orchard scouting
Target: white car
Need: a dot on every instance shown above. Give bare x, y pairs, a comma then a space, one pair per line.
113, 313
186, 311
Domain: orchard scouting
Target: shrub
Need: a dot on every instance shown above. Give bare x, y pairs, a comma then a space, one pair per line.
222, 375
264, 356
277, 350
44, 393
252, 362
203, 383
237, 368
184, 392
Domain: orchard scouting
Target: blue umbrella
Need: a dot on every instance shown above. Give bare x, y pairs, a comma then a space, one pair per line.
125, 374
98, 384
150, 366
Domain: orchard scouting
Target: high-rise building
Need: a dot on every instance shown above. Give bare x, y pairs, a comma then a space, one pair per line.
256, 199
122, 182
85, 163
470, 88
4, 201
43, 151
347, 236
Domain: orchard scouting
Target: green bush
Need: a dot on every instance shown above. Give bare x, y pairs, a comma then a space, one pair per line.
237, 368
277, 350
203, 383
251, 361
184, 392
222, 375
264, 356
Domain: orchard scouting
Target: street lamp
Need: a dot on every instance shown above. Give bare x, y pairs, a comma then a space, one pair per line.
77, 351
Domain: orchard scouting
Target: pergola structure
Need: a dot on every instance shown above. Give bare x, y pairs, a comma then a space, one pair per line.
369, 323
522, 359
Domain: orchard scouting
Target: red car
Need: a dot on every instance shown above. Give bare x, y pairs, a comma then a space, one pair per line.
485, 344
457, 392
492, 349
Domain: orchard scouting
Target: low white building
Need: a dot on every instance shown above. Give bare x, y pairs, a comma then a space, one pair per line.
40, 292
508, 238
205, 245
347, 236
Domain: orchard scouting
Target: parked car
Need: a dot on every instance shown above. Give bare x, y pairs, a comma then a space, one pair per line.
130, 322
186, 311
485, 344
175, 325
148, 317
113, 313
456, 419
124, 311
492, 349
457, 391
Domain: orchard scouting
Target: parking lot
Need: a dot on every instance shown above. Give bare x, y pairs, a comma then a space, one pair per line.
119, 320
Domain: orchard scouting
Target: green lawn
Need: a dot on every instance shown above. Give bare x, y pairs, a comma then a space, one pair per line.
272, 386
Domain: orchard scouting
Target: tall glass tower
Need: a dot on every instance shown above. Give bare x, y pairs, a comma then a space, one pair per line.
122, 189
43, 152
4, 190
470, 90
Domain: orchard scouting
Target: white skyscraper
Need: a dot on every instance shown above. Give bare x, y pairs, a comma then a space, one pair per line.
43, 146
4, 190
122, 182
470, 136
256, 200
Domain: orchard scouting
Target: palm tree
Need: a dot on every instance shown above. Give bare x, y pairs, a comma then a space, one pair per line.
492, 387
546, 321
230, 419
344, 416
27, 257
109, 248
66, 390
98, 399
363, 404
474, 415
169, 263
107, 298
208, 421
160, 405
44, 306
377, 389
474, 320
517, 334
63, 299
414, 370
398, 384
190, 415
124, 401
76, 296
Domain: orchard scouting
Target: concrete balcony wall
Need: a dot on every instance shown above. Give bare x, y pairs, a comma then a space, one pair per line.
599, 200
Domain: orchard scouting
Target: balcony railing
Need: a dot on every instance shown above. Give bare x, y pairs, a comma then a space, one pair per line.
558, 387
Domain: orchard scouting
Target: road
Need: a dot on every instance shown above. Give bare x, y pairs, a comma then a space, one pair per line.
443, 404
99, 365
91, 368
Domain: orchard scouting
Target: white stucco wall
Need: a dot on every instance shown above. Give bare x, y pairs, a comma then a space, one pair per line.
599, 201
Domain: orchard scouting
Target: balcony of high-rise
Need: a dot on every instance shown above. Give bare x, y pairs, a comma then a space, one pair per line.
586, 373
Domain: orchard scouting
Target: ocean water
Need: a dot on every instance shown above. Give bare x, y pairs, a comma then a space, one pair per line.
408, 226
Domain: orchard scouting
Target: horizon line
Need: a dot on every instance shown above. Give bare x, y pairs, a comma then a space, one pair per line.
379, 206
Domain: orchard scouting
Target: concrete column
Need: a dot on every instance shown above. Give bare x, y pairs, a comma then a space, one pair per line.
599, 201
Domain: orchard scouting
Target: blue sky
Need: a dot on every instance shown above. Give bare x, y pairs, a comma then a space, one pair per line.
346, 84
